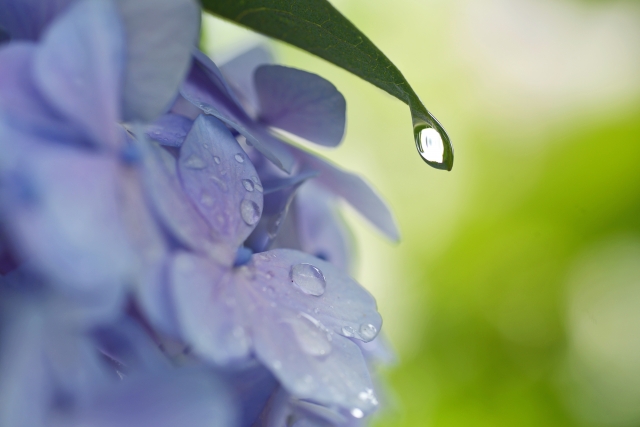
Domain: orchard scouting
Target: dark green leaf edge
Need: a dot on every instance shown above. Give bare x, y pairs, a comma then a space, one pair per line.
317, 27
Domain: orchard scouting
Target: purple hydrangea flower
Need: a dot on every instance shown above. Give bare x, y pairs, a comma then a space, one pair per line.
172, 258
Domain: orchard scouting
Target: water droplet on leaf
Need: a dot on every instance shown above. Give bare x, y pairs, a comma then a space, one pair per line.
309, 279
249, 211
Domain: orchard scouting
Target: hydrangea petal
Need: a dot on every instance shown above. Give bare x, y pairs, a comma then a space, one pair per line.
221, 180
160, 35
278, 195
209, 310
56, 220
79, 65
252, 388
297, 334
170, 129
302, 103
342, 305
27, 19
354, 190
20, 100
336, 378
170, 204
320, 229
191, 397
25, 388
239, 73
206, 90
152, 253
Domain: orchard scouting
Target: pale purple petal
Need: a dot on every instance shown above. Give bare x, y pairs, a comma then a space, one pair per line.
302, 103
25, 388
354, 190
221, 180
129, 348
252, 389
239, 73
21, 102
299, 332
170, 204
301, 336
27, 19
207, 91
343, 306
160, 35
209, 309
193, 398
152, 253
79, 65
170, 129
56, 218
278, 195
320, 229
215, 75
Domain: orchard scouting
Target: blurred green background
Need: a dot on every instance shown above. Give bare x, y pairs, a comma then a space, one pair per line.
514, 296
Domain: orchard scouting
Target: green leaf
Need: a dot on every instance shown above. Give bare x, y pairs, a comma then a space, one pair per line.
317, 27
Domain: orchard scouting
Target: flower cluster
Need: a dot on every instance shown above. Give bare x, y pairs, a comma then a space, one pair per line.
166, 259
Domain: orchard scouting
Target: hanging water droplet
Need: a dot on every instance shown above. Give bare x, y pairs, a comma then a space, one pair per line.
216, 159
368, 332
309, 279
239, 158
434, 146
194, 162
247, 184
348, 331
249, 211
206, 199
357, 413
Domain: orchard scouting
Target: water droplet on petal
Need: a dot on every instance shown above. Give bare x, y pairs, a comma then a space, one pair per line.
368, 332
247, 184
220, 183
259, 188
368, 396
311, 336
348, 331
357, 413
216, 159
249, 211
239, 158
255, 179
309, 279
206, 199
195, 162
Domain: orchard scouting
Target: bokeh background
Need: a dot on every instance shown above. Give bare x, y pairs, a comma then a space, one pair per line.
514, 296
